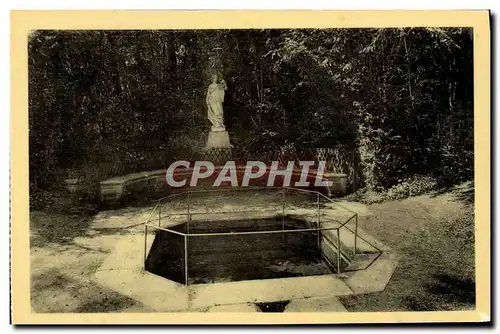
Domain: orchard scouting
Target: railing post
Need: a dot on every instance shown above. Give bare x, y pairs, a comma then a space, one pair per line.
318, 225
188, 211
356, 235
283, 218
317, 206
338, 251
145, 244
186, 259
283, 208
354, 170
159, 215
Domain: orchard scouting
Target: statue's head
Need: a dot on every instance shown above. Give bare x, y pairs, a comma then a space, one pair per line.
214, 77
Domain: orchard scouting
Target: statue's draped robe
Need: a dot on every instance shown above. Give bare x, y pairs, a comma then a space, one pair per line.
215, 98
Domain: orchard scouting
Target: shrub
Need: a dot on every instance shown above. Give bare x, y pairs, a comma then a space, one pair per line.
38, 198
413, 186
61, 201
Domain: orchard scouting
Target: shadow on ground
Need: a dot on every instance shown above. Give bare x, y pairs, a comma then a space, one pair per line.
53, 229
454, 288
55, 291
56, 228
443, 294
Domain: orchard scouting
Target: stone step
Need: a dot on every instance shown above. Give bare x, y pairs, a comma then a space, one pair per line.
246, 307
361, 261
330, 253
348, 262
348, 244
263, 291
376, 277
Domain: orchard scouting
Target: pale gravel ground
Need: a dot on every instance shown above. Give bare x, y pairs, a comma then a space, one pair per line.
66, 250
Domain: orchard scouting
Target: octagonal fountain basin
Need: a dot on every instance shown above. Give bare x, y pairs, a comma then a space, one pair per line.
207, 249
262, 233
234, 250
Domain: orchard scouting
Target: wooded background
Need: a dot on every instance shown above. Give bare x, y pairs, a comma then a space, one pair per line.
106, 103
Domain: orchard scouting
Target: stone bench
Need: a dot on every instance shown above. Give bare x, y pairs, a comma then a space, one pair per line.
73, 185
115, 188
339, 183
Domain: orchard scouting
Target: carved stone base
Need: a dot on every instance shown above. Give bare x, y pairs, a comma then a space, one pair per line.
217, 155
217, 148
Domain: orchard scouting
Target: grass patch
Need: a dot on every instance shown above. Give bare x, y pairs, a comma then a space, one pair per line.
435, 236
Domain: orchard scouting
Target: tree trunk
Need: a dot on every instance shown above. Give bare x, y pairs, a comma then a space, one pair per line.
171, 58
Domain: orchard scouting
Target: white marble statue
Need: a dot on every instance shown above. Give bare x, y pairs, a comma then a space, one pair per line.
215, 99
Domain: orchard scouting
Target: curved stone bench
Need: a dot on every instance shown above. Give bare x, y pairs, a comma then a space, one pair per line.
114, 189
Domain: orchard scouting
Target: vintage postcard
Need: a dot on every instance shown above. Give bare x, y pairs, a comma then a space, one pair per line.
250, 167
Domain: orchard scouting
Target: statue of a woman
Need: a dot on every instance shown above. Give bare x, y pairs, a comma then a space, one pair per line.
215, 98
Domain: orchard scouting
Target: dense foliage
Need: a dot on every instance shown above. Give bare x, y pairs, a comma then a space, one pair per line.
104, 103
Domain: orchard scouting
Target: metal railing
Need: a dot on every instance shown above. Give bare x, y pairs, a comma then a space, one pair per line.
189, 214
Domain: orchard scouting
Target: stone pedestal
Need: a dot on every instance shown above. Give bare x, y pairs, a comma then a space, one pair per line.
218, 139
218, 147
